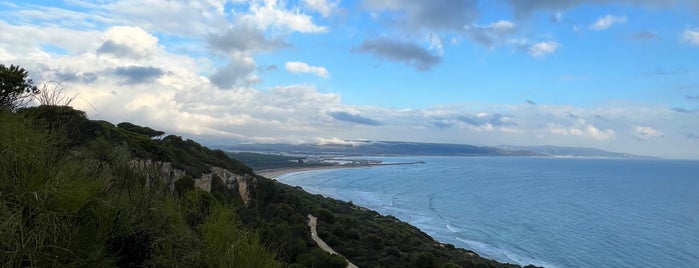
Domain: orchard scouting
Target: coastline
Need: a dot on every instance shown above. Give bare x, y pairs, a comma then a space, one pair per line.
276, 172
273, 173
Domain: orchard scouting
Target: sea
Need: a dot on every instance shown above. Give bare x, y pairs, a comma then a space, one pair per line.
550, 212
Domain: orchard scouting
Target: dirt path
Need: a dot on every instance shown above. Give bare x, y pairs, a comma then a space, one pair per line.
312, 222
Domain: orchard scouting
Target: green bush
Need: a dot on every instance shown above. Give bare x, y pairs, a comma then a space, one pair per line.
226, 245
326, 216
319, 258
422, 260
184, 184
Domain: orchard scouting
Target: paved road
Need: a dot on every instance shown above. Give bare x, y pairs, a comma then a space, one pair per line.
312, 222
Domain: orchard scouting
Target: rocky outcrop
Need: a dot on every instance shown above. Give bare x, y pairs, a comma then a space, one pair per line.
167, 173
232, 181
158, 169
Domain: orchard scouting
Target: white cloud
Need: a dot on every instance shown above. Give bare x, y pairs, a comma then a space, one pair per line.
582, 129
337, 141
605, 22
129, 42
645, 133
435, 43
178, 18
23, 39
323, 7
691, 37
302, 67
272, 14
543, 49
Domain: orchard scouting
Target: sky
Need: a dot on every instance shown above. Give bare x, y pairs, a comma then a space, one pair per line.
619, 75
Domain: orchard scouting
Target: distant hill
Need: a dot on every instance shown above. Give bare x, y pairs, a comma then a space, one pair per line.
380, 148
572, 151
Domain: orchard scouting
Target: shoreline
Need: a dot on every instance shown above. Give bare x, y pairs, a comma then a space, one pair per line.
273, 173
276, 172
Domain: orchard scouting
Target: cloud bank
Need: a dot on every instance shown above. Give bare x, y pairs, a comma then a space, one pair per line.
197, 68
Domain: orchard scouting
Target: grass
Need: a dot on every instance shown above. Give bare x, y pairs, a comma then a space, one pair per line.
63, 204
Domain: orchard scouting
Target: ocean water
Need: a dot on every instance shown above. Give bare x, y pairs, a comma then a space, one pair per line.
552, 212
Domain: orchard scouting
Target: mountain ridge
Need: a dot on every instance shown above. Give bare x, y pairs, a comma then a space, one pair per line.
565, 151
397, 148
367, 148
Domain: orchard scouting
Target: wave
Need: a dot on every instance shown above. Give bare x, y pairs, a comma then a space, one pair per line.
453, 229
503, 255
521, 260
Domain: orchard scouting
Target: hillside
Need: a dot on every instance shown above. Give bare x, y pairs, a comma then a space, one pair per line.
80, 192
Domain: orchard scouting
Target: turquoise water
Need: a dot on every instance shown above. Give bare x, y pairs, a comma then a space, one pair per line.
553, 212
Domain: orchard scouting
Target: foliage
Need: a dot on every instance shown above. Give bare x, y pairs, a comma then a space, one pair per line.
326, 215
422, 260
15, 87
184, 185
185, 155
225, 245
87, 207
267, 161
149, 132
318, 258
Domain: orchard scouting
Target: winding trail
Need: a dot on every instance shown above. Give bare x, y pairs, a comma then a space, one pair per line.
312, 222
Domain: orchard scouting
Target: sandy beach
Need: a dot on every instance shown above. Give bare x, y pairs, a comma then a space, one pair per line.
276, 172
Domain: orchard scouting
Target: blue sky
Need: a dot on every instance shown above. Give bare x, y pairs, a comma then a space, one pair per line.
620, 75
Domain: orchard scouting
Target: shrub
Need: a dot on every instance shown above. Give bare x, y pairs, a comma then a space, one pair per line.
184, 184
422, 260
326, 215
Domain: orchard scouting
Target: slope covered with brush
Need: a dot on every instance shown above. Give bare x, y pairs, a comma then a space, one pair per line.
80, 192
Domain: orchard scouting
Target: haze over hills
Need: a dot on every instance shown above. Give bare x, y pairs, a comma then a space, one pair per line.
561, 151
355, 147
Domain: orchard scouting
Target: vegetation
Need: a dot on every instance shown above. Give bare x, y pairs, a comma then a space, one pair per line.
71, 205
15, 87
149, 132
269, 161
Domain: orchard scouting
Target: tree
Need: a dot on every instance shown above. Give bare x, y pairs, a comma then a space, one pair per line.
15, 87
151, 133
326, 216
